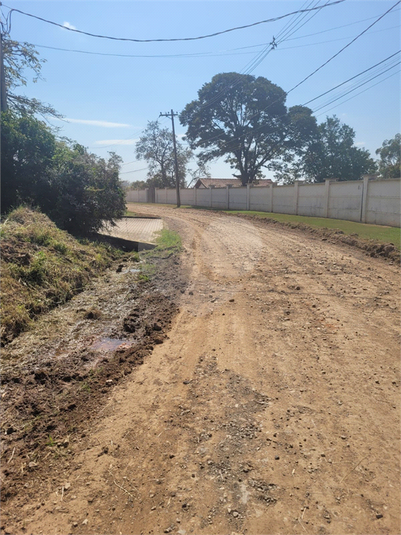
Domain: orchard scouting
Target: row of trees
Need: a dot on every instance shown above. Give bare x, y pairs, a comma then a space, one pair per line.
78, 190
245, 121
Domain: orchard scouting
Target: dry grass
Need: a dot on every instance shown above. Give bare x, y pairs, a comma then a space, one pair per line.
42, 267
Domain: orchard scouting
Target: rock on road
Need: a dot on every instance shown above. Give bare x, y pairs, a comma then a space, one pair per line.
273, 408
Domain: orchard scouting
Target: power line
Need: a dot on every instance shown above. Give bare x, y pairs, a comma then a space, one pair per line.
346, 46
332, 29
357, 87
134, 171
360, 92
349, 79
99, 36
228, 52
297, 23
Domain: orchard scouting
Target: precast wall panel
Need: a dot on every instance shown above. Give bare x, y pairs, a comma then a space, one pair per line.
219, 198
312, 200
237, 198
171, 196
187, 195
284, 200
203, 197
134, 195
161, 196
383, 202
345, 200
260, 199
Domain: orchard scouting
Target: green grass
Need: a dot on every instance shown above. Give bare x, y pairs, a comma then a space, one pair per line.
365, 231
168, 243
169, 240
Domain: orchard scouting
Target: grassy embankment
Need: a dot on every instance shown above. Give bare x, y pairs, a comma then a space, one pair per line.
365, 231
42, 267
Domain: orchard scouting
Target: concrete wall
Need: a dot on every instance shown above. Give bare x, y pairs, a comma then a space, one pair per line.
137, 195
367, 200
345, 200
383, 204
312, 200
284, 200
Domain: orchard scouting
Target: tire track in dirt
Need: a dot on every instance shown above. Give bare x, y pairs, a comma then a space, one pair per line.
272, 408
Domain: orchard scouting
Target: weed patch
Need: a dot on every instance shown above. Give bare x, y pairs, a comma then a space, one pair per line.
42, 267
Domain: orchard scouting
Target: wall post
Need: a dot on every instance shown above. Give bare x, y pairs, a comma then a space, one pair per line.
228, 195
296, 196
211, 196
248, 196
326, 197
272, 186
195, 198
365, 193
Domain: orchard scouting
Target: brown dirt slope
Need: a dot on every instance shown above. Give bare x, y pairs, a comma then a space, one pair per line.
272, 407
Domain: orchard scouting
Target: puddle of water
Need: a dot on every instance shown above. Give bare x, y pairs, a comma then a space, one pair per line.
108, 344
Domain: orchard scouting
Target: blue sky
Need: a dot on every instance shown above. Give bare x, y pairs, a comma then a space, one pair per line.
108, 100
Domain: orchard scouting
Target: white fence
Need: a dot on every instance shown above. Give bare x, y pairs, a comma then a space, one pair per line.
367, 200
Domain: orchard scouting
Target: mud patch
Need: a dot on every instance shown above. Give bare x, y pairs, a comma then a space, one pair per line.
51, 391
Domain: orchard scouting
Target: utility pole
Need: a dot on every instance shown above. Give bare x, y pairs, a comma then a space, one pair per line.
177, 182
3, 93
3, 96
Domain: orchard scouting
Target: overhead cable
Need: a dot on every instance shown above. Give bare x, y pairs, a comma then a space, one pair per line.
360, 92
349, 79
99, 36
357, 87
228, 52
346, 46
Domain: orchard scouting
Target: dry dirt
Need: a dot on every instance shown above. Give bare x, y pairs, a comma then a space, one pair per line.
271, 405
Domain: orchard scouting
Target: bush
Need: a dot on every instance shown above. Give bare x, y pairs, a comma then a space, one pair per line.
78, 190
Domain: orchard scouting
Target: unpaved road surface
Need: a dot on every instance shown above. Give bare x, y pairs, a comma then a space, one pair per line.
272, 407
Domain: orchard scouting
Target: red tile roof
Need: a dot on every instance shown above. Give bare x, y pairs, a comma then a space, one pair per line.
224, 182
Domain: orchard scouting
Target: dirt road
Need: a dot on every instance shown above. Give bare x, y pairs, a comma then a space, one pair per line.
273, 407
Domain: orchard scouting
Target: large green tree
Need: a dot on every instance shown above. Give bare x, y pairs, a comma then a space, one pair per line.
329, 153
390, 157
244, 120
156, 147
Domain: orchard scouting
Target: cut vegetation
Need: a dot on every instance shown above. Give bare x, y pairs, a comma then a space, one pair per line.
42, 267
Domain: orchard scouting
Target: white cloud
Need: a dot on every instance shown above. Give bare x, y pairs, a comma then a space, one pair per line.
68, 25
116, 142
360, 143
105, 124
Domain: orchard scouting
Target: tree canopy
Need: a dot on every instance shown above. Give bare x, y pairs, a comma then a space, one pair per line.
390, 157
244, 119
329, 153
156, 147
